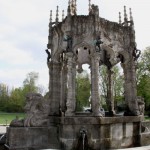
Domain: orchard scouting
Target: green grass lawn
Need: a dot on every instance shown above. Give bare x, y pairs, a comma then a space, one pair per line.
6, 118
147, 118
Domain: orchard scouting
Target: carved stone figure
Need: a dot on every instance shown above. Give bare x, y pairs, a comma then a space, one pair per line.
68, 39
98, 43
94, 10
141, 104
37, 111
49, 55
136, 53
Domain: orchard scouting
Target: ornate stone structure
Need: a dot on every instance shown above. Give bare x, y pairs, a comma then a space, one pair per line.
75, 41
92, 40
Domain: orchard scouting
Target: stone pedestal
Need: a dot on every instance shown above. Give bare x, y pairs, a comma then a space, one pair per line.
64, 133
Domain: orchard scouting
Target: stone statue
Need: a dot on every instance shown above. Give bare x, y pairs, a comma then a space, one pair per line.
136, 53
98, 43
37, 111
141, 104
68, 39
94, 10
49, 55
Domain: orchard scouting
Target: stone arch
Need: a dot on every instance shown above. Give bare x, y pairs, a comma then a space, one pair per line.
83, 44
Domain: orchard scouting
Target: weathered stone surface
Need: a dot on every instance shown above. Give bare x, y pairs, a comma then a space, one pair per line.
102, 133
64, 132
145, 139
95, 41
146, 125
32, 138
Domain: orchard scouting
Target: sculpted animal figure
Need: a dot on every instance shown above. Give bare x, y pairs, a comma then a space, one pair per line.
37, 111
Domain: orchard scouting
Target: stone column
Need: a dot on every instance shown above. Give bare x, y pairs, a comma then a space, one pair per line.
130, 87
110, 92
55, 88
71, 75
95, 96
50, 86
63, 87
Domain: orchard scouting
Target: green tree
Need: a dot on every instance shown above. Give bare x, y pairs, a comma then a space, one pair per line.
17, 100
83, 90
118, 81
4, 96
143, 89
143, 77
143, 65
29, 84
14, 100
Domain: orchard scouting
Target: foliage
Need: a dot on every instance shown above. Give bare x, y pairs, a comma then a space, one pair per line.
4, 96
143, 78
144, 88
14, 100
117, 84
83, 90
143, 66
29, 84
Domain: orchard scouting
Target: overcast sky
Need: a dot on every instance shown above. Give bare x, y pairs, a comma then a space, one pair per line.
24, 32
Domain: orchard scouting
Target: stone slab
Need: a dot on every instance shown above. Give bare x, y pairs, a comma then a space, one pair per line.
145, 139
95, 120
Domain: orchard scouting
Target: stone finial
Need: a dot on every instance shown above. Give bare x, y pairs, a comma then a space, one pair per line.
57, 14
73, 7
69, 3
69, 8
119, 17
131, 17
89, 6
50, 16
75, 4
63, 15
125, 17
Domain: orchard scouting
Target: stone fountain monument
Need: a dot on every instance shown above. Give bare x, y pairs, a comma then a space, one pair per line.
54, 123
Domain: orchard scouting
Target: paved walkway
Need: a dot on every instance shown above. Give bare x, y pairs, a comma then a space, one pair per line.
3, 129
137, 148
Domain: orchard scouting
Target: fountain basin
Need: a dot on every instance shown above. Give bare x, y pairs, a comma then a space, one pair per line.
63, 133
